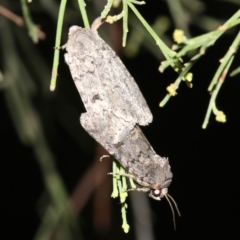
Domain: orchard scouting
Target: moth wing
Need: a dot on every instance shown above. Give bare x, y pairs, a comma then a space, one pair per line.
122, 91
102, 80
81, 58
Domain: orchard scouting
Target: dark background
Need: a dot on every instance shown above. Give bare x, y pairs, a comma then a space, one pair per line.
205, 163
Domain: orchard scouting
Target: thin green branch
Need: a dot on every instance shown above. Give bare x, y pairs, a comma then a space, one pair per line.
32, 30
212, 104
137, 2
120, 189
210, 38
112, 19
224, 62
115, 179
179, 15
124, 193
82, 5
181, 77
218, 80
234, 17
203, 42
170, 55
167, 52
125, 22
107, 8
125, 224
57, 44
235, 72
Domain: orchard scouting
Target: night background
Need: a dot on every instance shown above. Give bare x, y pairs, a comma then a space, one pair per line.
48, 159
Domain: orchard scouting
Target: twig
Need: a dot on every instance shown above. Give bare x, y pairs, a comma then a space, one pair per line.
57, 44
12, 16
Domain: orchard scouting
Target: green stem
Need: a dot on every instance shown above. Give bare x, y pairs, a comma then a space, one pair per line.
137, 2
167, 52
107, 8
115, 170
29, 23
82, 5
212, 103
57, 44
179, 15
225, 61
125, 225
125, 22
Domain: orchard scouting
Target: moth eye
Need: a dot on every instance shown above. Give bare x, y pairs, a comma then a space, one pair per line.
156, 192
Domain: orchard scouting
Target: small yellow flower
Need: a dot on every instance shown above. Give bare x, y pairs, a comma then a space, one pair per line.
178, 36
109, 19
221, 117
172, 89
189, 77
125, 227
188, 80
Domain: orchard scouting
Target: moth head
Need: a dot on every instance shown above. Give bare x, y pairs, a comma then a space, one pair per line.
81, 41
72, 30
159, 193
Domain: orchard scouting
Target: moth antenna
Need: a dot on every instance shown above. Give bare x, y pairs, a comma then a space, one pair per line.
173, 213
175, 204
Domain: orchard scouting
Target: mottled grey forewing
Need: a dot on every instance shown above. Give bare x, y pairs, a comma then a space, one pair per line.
95, 66
124, 91
81, 57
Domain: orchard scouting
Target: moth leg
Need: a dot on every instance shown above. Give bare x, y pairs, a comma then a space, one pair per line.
61, 47
139, 181
142, 189
122, 175
139, 189
104, 156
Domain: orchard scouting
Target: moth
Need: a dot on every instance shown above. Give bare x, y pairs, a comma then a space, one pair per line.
115, 107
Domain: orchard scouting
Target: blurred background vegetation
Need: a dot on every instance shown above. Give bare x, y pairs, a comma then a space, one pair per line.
53, 185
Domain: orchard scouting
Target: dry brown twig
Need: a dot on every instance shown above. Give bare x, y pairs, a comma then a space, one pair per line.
20, 21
